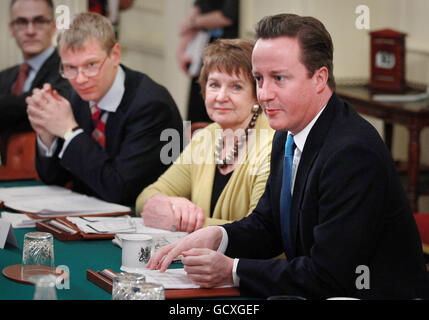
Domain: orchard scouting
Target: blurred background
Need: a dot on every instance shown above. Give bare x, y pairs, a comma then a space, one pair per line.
148, 34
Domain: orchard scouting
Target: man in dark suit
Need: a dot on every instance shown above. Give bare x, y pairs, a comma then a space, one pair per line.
333, 202
106, 137
32, 25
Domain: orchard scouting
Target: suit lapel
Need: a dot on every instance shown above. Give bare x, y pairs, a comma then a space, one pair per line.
11, 78
82, 113
52, 62
311, 150
116, 119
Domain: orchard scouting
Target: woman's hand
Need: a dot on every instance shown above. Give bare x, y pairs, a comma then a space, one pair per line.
172, 213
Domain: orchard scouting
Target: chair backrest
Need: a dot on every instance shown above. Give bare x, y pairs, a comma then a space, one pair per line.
198, 125
18, 153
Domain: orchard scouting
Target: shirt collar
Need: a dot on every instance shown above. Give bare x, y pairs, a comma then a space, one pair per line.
301, 137
111, 100
37, 62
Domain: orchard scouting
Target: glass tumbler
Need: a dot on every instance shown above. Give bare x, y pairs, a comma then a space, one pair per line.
38, 254
132, 286
45, 287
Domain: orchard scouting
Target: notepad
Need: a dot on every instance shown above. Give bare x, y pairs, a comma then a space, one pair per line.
171, 278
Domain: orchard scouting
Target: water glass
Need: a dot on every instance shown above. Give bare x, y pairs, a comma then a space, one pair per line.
132, 286
38, 254
45, 287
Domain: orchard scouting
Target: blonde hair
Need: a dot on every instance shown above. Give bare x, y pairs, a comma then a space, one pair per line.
233, 56
86, 26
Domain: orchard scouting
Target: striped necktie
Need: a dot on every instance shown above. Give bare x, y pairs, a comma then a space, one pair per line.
99, 118
20, 80
286, 194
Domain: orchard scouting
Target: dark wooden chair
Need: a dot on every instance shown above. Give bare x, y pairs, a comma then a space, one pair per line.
198, 125
18, 156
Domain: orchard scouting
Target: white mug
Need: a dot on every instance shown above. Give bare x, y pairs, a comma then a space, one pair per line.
136, 251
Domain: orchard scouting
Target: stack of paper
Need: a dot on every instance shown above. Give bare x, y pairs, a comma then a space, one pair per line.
54, 201
170, 279
19, 220
122, 224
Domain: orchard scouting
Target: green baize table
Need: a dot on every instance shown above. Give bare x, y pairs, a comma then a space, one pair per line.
77, 256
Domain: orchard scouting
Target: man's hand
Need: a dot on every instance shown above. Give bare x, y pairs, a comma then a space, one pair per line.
208, 268
161, 211
209, 237
48, 112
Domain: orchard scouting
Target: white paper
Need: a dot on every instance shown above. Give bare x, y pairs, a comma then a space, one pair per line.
195, 49
122, 224
19, 220
21, 193
171, 278
6, 234
53, 201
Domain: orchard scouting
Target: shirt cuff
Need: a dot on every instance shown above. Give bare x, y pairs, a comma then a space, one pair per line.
43, 150
224, 242
222, 248
235, 277
66, 142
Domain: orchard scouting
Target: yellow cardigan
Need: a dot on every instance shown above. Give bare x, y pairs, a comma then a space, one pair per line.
192, 175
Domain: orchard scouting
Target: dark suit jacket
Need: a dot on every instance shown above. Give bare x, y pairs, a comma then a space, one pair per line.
131, 160
349, 209
13, 109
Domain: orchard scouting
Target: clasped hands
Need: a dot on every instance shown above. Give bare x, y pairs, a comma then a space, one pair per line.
172, 213
49, 114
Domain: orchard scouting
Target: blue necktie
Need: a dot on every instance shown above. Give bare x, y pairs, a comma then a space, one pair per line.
286, 194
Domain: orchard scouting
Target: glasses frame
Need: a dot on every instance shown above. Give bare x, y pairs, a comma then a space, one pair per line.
62, 73
40, 25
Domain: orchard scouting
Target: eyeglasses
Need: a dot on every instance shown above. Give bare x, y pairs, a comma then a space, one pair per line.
38, 23
90, 70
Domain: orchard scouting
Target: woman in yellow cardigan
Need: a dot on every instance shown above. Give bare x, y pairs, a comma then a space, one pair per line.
222, 172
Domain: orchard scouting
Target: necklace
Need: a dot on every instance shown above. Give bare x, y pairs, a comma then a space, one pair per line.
222, 163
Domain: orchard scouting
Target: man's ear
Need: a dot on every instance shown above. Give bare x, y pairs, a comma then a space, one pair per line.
11, 31
116, 54
320, 79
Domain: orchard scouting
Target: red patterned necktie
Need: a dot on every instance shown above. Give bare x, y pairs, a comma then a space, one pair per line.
99, 119
22, 76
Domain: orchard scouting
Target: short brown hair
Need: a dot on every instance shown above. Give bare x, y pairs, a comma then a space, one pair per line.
50, 4
233, 56
315, 41
86, 26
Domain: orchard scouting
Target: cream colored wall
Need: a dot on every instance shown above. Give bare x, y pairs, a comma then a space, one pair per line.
149, 37
351, 46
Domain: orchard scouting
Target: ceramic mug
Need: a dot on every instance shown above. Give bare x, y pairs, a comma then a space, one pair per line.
136, 251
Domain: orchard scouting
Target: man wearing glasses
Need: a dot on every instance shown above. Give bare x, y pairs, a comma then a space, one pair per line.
105, 137
32, 25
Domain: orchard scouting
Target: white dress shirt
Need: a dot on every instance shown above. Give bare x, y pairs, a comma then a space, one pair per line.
110, 103
299, 140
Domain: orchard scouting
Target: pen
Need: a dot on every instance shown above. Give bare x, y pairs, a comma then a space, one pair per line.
89, 226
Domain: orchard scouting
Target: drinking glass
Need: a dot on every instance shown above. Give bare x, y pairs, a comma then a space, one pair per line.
38, 254
45, 287
132, 286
